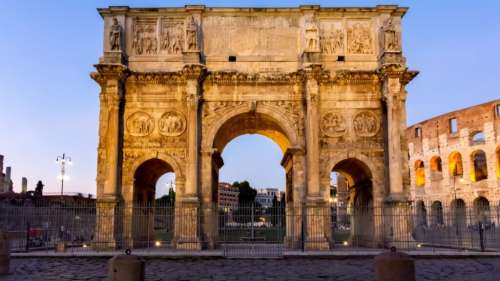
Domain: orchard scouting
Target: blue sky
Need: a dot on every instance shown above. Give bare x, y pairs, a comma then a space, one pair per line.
49, 105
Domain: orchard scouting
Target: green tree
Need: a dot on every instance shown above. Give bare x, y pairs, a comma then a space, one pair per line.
247, 193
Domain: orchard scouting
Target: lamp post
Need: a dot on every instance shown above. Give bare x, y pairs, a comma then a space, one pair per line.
62, 161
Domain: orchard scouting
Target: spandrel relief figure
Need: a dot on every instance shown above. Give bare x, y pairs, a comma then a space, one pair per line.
359, 39
115, 36
391, 36
191, 35
312, 36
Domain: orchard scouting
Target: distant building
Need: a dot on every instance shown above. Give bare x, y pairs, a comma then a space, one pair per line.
6, 184
228, 196
265, 196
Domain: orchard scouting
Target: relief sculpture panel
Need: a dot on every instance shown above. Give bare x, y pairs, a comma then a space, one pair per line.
333, 124
140, 124
172, 124
144, 39
171, 38
366, 124
332, 38
359, 38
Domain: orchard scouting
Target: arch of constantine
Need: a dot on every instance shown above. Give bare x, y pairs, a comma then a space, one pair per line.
177, 84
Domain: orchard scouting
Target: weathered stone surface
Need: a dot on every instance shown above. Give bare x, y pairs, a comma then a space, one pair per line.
464, 164
178, 84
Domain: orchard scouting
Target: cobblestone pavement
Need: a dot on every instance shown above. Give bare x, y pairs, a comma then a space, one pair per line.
62, 269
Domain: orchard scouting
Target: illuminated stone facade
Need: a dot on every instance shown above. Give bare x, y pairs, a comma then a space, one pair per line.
177, 84
455, 158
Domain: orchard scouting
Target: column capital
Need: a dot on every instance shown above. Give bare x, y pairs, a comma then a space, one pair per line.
196, 72
107, 72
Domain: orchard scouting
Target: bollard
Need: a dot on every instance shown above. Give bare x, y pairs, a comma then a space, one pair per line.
394, 266
4, 254
126, 268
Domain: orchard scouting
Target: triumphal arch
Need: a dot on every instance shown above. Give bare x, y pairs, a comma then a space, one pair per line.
177, 84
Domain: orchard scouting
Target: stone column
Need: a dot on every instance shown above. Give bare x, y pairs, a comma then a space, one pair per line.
317, 211
397, 207
211, 162
111, 79
187, 224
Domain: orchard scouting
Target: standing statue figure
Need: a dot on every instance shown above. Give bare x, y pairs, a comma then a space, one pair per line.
312, 36
191, 35
391, 38
115, 35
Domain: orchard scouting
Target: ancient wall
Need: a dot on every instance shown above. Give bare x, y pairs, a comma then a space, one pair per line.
459, 160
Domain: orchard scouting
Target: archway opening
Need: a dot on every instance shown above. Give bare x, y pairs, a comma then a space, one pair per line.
421, 214
437, 218
497, 157
479, 169
481, 210
455, 165
153, 211
458, 213
419, 173
353, 221
436, 168
249, 178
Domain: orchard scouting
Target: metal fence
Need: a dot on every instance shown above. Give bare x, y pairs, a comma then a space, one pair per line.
249, 230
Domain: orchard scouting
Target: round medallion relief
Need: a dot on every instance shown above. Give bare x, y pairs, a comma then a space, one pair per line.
366, 124
333, 124
140, 124
172, 124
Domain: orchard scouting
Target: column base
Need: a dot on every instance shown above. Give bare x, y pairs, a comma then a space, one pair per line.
316, 244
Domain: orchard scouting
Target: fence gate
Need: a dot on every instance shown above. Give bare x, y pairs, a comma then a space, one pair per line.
252, 232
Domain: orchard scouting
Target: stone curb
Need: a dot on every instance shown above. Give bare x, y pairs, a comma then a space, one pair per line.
287, 255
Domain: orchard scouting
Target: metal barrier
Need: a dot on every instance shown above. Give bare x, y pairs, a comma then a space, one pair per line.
247, 231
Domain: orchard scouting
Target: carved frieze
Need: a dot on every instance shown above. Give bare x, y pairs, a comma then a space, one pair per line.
172, 124
333, 124
365, 124
332, 42
231, 78
171, 36
140, 124
359, 38
144, 36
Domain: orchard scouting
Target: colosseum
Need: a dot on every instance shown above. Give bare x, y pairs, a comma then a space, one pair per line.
454, 162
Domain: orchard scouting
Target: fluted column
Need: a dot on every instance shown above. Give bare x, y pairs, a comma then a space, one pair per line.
187, 217
111, 78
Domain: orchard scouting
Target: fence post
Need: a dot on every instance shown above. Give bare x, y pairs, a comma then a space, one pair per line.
4, 254
481, 235
27, 237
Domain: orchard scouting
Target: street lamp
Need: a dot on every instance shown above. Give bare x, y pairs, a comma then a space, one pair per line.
62, 161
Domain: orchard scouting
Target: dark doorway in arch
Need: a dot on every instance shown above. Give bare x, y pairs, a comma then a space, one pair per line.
421, 215
354, 223
437, 218
458, 213
481, 210
153, 213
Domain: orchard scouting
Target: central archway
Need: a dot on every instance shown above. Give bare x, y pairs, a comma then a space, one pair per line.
241, 121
